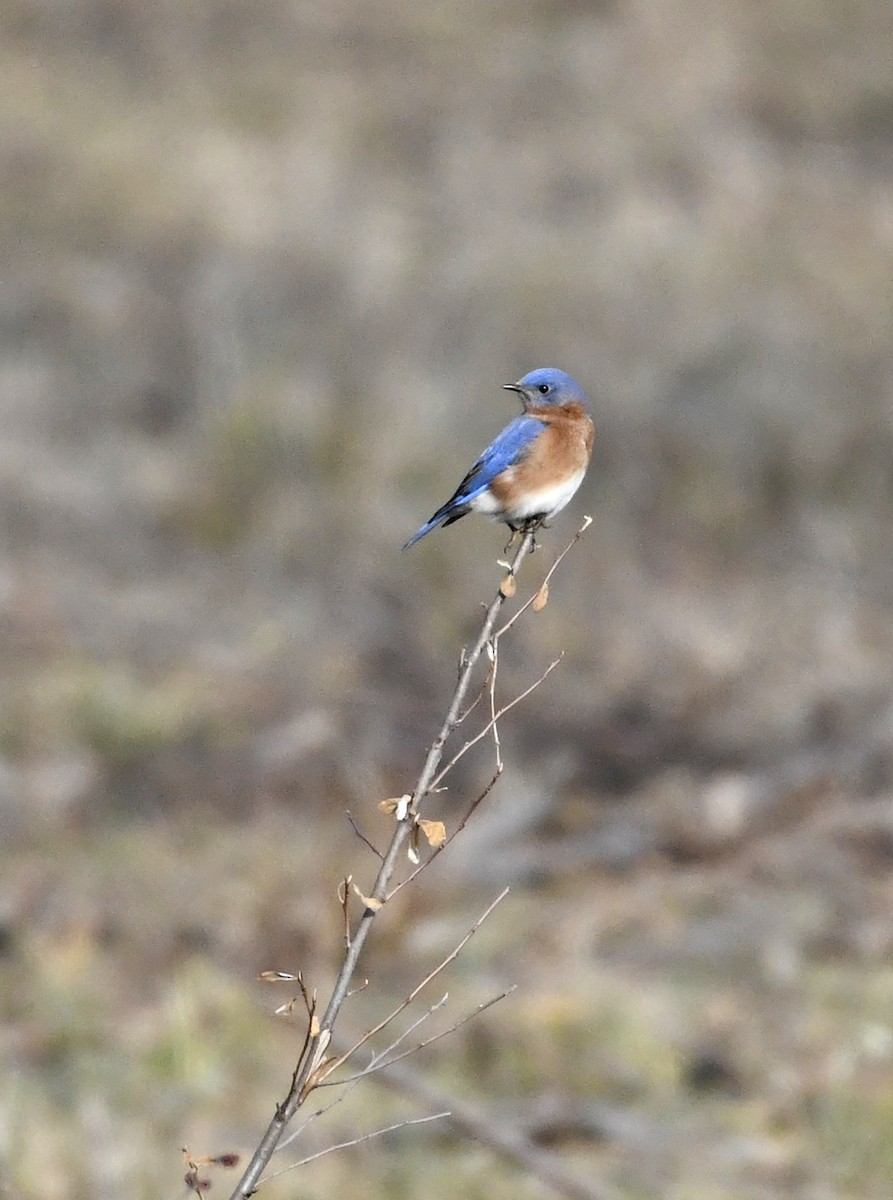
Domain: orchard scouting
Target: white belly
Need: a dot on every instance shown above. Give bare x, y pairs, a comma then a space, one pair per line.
548, 501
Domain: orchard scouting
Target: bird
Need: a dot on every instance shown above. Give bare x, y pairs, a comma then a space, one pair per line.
531, 470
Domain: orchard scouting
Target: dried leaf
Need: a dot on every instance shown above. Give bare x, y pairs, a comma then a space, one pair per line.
277, 977
396, 804
314, 1026
367, 901
317, 1061
542, 598
508, 586
434, 831
413, 855
316, 1077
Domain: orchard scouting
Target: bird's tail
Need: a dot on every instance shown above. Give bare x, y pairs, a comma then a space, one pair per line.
450, 512
426, 528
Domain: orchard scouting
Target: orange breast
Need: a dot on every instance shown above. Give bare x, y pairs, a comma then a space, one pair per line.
561, 452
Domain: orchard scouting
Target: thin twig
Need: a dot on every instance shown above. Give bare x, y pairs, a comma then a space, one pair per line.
482, 733
401, 1037
479, 799
326, 1069
587, 521
347, 1085
494, 670
366, 1137
482, 691
376, 1064
378, 854
420, 987
466, 712
344, 897
309, 1119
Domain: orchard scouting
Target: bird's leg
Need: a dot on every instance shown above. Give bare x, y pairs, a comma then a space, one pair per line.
515, 531
531, 525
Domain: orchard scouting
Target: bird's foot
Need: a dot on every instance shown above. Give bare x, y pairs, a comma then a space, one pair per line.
515, 533
532, 527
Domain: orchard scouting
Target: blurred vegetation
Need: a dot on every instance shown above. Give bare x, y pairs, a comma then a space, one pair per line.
263, 272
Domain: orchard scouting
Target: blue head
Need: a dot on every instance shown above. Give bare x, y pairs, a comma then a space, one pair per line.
548, 385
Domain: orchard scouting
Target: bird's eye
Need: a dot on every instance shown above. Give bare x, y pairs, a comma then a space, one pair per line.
544, 388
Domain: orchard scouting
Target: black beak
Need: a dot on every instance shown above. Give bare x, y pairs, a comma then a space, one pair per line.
513, 387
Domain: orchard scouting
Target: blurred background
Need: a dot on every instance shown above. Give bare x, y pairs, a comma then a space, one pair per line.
263, 269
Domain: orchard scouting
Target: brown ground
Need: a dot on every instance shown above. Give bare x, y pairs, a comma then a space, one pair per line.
265, 268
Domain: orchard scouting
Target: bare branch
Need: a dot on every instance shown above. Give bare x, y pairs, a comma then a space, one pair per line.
420, 1020
308, 998
479, 799
493, 714
344, 897
366, 1137
482, 733
312, 1068
587, 521
420, 987
377, 1063
466, 712
347, 1085
378, 854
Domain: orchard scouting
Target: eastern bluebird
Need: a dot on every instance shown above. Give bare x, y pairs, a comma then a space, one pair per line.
532, 469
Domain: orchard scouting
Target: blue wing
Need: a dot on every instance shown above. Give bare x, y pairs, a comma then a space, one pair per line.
508, 448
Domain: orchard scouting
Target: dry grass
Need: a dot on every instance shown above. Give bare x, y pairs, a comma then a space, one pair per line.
263, 277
